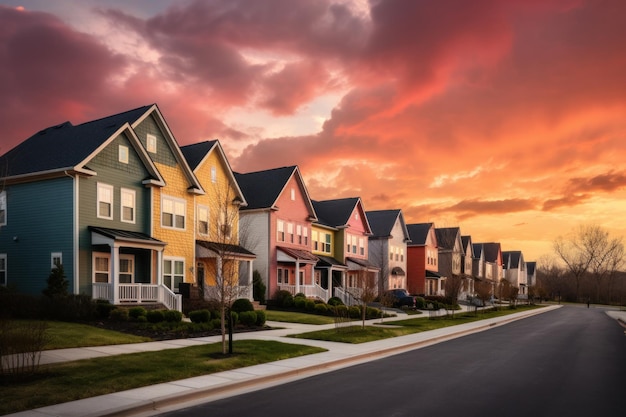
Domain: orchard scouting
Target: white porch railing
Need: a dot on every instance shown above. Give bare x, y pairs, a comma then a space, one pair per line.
349, 296
309, 291
138, 293
239, 291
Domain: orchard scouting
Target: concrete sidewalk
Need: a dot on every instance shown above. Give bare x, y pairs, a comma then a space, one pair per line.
166, 396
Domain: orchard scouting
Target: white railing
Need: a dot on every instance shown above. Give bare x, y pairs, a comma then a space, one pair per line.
349, 297
138, 293
211, 292
310, 291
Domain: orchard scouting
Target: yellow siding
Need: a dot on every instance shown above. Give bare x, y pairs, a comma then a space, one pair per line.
180, 243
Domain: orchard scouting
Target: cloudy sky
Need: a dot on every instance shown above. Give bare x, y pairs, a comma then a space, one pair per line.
506, 118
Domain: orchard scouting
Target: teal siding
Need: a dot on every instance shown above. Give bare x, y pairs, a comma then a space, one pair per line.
40, 216
119, 175
164, 154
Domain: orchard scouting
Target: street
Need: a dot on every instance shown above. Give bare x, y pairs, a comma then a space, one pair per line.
570, 361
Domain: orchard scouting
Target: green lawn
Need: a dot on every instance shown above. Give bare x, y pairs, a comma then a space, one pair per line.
293, 317
358, 334
87, 378
63, 335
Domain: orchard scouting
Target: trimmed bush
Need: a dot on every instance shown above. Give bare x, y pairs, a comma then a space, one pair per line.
283, 298
242, 304
155, 316
309, 305
235, 317
200, 316
373, 313
103, 309
420, 303
321, 309
354, 312
136, 312
341, 310
335, 301
247, 318
173, 316
216, 323
260, 317
258, 287
299, 303
119, 314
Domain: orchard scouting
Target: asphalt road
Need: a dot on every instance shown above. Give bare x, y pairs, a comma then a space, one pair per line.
568, 362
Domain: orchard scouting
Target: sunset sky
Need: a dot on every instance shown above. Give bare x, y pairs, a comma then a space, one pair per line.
506, 118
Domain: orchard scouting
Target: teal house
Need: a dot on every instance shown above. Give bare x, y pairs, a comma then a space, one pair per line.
81, 195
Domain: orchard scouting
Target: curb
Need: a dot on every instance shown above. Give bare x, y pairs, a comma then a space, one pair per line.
204, 393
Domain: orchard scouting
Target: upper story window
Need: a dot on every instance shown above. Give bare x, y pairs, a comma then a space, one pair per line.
305, 233
362, 246
213, 175
3, 208
290, 232
299, 234
293, 194
326, 245
151, 143
56, 258
105, 201
315, 241
280, 231
123, 154
203, 220
3, 269
127, 209
173, 212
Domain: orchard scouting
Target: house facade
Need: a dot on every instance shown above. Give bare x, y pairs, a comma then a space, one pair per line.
388, 247
467, 263
279, 216
423, 260
514, 271
492, 253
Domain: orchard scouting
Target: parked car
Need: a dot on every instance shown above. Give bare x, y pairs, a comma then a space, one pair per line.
400, 298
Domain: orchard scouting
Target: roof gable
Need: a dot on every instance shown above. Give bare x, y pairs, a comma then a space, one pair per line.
448, 238
383, 222
338, 213
418, 233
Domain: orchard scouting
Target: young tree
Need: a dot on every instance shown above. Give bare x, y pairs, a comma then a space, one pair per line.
365, 291
483, 290
453, 286
57, 283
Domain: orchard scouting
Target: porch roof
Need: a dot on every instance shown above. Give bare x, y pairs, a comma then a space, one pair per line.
398, 271
329, 262
107, 236
432, 275
293, 255
204, 248
364, 263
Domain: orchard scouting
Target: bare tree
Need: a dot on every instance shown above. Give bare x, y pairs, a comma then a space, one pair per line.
571, 250
365, 291
483, 290
550, 277
453, 286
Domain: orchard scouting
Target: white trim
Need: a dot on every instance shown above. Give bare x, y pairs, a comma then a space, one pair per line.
54, 255
95, 255
3, 206
75, 241
110, 189
151, 143
122, 154
132, 193
174, 201
172, 274
208, 224
131, 258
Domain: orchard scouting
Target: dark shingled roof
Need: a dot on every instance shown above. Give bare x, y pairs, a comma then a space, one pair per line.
328, 262
478, 249
382, 221
335, 213
446, 237
530, 267
418, 233
491, 251
194, 154
125, 235
63, 145
234, 250
514, 256
261, 189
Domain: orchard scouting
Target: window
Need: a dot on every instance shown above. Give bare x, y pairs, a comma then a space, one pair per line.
293, 194
213, 175
127, 211
151, 143
123, 154
101, 267
203, 220
362, 246
56, 258
299, 234
279, 276
3, 208
105, 201
173, 273
306, 235
315, 242
283, 276
327, 243
290, 231
391, 253
3, 269
280, 227
301, 277
127, 269
173, 212
353, 238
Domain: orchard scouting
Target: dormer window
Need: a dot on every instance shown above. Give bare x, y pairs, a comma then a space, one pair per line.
123, 154
151, 143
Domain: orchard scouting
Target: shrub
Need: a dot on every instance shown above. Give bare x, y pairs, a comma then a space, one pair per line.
300, 294
299, 303
373, 313
103, 309
283, 298
136, 312
420, 303
341, 310
21, 343
335, 301
119, 314
155, 316
67, 308
235, 317
200, 316
260, 317
216, 323
173, 316
321, 309
258, 287
57, 284
354, 312
247, 318
241, 305
309, 305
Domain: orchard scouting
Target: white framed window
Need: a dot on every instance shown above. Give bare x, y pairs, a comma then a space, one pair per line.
173, 272
127, 269
123, 154
151, 143
353, 241
56, 258
293, 194
203, 220
3, 208
127, 209
3, 269
213, 175
326, 244
299, 233
280, 231
279, 275
173, 212
101, 267
362, 246
315, 241
305, 231
290, 231
105, 201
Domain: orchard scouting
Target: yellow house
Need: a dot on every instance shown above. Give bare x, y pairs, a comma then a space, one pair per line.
173, 205
217, 233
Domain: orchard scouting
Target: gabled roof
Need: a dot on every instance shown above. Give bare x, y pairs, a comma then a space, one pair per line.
478, 249
491, 250
447, 236
512, 258
197, 153
262, 189
66, 147
337, 213
418, 233
382, 223
226, 248
530, 267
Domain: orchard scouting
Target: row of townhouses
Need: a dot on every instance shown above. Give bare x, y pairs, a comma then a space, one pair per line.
133, 217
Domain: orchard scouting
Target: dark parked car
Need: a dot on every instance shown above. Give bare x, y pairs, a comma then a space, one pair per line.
400, 298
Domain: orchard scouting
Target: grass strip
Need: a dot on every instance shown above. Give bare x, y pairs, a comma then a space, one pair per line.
295, 317
71, 381
61, 335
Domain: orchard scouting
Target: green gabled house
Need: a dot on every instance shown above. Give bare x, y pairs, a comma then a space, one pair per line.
82, 196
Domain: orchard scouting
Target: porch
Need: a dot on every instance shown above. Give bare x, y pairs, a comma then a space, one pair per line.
137, 294
310, 291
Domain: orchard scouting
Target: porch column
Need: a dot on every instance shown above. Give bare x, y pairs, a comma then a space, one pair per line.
297, 276
115, 272
250, 281
159, 267
330, 284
